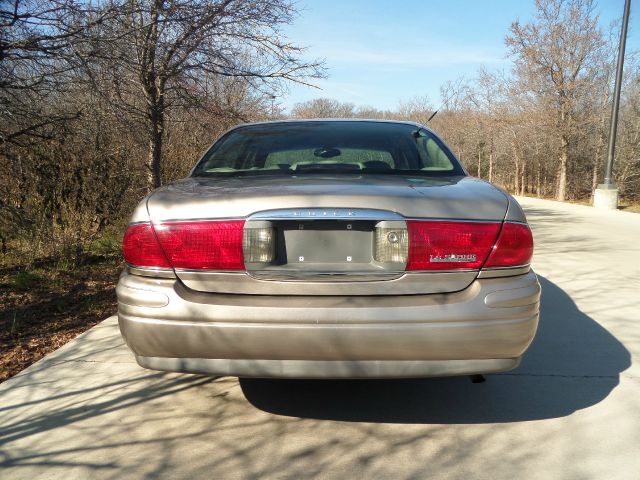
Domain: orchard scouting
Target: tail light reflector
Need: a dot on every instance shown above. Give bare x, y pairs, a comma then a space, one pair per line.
258, 244
391, 245
140, 247
446, 245
513, 248
205, 245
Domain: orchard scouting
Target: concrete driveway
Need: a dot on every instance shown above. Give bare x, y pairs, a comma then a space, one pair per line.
570, 411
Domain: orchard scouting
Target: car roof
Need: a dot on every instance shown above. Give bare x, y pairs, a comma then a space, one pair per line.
354, 120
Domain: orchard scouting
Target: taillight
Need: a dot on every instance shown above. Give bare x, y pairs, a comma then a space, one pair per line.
423, 245
258, 242
141, 248
391, 243
446, 245
513, 248
205, 245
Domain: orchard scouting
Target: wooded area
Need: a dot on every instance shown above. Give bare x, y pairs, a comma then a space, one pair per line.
542, 128
103, 101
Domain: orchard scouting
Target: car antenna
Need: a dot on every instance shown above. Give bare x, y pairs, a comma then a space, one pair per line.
444, 102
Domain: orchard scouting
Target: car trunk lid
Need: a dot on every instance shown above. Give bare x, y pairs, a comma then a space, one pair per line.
325, 231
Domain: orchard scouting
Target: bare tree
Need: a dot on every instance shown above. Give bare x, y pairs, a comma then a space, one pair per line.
37, 40
89, 88
553, 55
162, 55
323, 108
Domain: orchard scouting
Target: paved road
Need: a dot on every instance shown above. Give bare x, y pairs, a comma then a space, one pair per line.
571, 411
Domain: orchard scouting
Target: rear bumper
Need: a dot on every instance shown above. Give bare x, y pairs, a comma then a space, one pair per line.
484, 328
328, 368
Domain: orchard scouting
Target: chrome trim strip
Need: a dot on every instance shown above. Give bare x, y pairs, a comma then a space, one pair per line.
504, 271
211, 272
484, 273
300, 274
151, 272
317, 213
368, 272
337, 277
454, 270
185, 220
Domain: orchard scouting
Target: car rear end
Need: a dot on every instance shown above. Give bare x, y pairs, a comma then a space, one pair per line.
339, 275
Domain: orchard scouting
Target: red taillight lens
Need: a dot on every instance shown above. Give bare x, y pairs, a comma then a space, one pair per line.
141, 248
513, 248
435, 245
207, 245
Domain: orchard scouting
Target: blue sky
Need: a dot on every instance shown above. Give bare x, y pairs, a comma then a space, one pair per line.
379, 52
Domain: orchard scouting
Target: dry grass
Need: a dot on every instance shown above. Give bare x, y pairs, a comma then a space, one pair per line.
629, 207
47, 305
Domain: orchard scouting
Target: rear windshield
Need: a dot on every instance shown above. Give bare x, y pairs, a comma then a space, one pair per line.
290, 148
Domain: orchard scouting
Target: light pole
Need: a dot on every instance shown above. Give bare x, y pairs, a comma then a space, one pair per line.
273, 99
606, 195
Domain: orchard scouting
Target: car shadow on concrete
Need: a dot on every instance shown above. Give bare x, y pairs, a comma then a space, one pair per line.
573, 363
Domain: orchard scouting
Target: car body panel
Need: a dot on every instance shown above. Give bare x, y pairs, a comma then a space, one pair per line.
444, 197
493, 318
